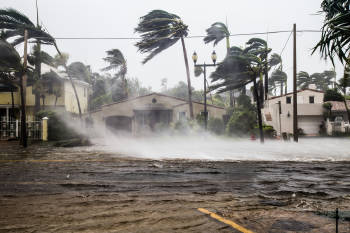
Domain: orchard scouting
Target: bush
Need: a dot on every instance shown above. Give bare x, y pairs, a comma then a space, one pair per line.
242, 122
216, 125
57, 129
269, 131
333, 95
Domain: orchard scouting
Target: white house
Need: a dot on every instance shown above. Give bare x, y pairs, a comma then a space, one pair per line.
278, 112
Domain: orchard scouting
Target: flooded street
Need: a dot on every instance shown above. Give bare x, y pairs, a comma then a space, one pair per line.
48, 189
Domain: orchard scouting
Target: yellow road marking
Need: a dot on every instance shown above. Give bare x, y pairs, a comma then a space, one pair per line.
228, 222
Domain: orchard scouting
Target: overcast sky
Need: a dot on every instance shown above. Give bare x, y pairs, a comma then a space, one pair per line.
111, 18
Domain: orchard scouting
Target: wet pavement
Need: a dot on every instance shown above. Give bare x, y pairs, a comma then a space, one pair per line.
47, 189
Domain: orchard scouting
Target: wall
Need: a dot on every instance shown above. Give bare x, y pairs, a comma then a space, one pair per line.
70, 101
213, 112
284, 122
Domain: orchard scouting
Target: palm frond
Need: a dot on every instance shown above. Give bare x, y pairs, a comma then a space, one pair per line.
159, 30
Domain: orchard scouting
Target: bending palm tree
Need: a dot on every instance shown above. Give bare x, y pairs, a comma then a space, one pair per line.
215, 34
14, 23
160, 30
116, 61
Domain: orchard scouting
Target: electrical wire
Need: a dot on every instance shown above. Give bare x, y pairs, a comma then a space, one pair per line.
196, 36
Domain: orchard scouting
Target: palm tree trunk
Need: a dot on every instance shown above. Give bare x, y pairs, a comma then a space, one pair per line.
228, 51
23, 87
56, 100
259, 111
281, 88
188, 79
266, 82
38, 73
71, 81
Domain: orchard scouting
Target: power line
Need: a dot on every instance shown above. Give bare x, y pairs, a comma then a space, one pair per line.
196, 36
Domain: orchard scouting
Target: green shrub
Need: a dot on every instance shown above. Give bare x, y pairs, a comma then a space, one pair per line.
333, 95
269, 131
242, 122
216, 125
57, 129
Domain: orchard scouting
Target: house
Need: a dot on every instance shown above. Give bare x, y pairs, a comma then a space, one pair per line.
338, 118
61, 99
64, 100
278, 112
145, 113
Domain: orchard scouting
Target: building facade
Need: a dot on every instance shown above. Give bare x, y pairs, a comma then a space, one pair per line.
146, 113
64, 100
278, 112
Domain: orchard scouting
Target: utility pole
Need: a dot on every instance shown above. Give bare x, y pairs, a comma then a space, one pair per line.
23, 88
295, 100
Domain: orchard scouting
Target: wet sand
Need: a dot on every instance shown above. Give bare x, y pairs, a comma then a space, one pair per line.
46, 189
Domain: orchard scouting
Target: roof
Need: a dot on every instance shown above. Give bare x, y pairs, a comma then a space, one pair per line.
339, 106
290, 93
159, 94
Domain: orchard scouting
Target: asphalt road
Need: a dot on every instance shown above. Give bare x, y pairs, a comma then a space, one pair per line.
46, 189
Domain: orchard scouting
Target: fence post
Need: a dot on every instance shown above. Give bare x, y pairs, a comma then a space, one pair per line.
44, 131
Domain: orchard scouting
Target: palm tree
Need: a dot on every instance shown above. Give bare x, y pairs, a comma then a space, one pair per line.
322, 81
238, 69
215, 34
335, 37
279, 77
13, 23
36, 58
116, 61
11, 68
160, 30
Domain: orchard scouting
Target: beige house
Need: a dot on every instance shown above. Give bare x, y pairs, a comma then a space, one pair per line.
144, 113
278, 112
64, 100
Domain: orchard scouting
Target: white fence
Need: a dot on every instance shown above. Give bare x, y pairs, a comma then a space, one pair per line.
12, 130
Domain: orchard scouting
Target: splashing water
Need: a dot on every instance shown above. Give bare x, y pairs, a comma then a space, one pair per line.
210, 147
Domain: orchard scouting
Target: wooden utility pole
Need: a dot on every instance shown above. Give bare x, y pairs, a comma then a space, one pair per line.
23, 88
295, 99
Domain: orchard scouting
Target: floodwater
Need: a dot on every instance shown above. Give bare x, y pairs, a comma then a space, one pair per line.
107, 189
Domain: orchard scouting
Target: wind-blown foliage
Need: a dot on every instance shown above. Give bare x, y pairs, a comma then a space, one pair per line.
159, 30
216, 33
13, 23
278, 77
335, 37
116, 61
322, 81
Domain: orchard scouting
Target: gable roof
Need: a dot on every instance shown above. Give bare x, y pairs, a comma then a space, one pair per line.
163, 95
290, 93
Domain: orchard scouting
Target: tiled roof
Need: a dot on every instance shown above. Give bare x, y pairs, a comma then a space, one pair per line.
339, 106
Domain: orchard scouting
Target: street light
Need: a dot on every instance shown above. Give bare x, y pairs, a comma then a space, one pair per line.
213, 58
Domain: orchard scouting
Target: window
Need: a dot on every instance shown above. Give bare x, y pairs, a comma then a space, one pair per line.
311, 99
182, 116
288, 99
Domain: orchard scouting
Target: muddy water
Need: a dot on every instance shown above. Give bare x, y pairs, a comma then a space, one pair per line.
48, 189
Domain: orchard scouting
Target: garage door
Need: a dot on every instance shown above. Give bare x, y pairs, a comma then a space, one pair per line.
118, 123
310, 124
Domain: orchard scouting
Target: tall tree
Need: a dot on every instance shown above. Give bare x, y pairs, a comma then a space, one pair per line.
116, 61
160, 30
217, 32
335, 37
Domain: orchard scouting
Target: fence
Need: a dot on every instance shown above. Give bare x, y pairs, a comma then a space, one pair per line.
11, 130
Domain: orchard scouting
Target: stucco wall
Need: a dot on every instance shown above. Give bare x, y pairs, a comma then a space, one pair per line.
70, 101
306, 111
